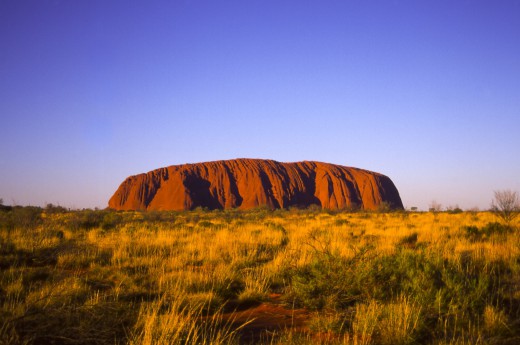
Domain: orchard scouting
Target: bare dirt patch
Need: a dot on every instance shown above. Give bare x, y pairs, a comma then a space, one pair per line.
264, 320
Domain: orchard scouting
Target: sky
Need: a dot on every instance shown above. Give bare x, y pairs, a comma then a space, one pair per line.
426, 92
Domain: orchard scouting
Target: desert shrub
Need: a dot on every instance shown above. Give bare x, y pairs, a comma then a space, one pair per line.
229, 288
75, 323
54, 209
205, 224
496, 228
314, 209
9, 255
201, 209
409, 240
384, 207
473, 233
27, 217
405, 272
151, 216
111, 220
454, 210
340, 222
506, 205
330, 281
6, 222
86, 219
465, 287
471, 230
260, 213
311, 285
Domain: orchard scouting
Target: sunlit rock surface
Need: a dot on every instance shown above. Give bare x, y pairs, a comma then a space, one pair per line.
250, 183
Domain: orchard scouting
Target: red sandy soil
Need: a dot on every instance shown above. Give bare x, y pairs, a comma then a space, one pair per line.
263, 320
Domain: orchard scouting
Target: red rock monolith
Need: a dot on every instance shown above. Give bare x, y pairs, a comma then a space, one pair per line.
250, 183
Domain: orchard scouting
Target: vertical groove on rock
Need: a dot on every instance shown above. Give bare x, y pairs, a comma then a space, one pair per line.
249, 183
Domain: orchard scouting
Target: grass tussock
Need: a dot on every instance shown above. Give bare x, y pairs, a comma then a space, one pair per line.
102, 277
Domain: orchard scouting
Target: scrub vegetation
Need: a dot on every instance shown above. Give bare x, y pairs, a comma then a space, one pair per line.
211, 277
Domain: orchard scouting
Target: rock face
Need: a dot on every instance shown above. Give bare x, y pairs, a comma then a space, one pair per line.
250, 183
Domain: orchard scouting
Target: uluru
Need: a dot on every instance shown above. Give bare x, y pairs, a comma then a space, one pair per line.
251, 183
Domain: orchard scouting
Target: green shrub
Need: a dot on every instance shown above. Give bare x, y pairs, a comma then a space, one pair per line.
229, 288
86, 219
409, 240
330, 281
53, 209
27, 217
496, 228
384, 207
340, 222
111, 220
205, 224
473, 233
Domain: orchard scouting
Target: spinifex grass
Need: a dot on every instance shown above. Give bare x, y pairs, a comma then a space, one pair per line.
100, 277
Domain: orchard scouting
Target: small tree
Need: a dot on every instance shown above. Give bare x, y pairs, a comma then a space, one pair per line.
506, 205
435, 206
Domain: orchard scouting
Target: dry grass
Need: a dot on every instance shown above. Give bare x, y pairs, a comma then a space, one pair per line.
167, 278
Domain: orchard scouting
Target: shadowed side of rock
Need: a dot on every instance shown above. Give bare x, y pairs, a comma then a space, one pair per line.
250, 183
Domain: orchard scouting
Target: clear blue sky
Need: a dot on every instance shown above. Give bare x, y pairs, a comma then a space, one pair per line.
426, 92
